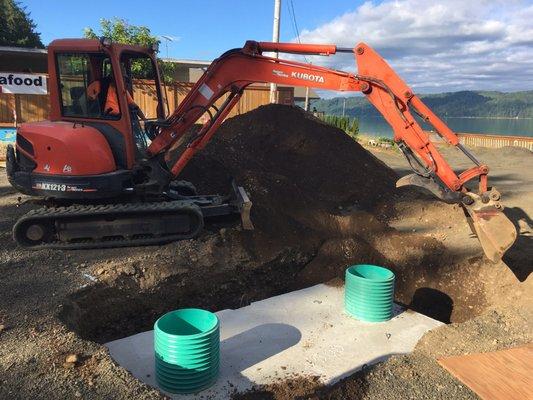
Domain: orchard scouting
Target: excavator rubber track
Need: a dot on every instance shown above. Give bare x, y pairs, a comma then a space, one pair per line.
105, 226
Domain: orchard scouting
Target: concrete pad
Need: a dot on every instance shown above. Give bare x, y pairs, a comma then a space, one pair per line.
302, 333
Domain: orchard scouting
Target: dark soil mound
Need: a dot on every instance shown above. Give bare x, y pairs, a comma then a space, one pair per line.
295, 167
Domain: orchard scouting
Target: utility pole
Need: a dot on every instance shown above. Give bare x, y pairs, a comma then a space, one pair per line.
306, 104
275, 38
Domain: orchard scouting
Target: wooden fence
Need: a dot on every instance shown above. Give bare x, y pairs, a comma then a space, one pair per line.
490, 141
32, 108
495, 141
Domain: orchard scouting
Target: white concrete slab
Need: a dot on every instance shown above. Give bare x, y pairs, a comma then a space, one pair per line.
302, 333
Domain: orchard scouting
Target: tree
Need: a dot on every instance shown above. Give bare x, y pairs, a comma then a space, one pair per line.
354, 128
17, 29
120, 31
350, 126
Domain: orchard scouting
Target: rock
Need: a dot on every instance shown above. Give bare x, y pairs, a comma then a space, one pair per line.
72, 358
2, 328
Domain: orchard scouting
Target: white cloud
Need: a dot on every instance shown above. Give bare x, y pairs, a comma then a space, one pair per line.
446, 46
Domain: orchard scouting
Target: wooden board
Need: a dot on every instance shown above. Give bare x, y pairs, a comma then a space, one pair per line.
506, 374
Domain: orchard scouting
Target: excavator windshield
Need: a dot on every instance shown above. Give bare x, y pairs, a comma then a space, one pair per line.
140, 80
84, 82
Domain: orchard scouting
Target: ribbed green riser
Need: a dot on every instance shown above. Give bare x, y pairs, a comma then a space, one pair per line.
185, 389
188, 374
189, 364
369, 293
187, 350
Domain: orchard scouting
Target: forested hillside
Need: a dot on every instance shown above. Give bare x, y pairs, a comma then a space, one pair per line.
455, 104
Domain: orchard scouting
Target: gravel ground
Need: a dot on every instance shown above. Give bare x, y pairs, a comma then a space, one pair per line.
60, 306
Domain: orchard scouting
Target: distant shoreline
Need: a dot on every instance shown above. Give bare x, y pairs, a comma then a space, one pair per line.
511, 118
447, 116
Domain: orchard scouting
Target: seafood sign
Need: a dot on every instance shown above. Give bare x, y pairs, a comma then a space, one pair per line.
16, 83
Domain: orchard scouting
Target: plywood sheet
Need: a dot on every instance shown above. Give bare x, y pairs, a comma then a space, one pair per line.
506, 374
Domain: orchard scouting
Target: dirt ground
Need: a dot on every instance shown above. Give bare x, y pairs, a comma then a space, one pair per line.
321, 203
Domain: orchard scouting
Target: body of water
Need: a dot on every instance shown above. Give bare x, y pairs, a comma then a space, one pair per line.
377, 126
7, 134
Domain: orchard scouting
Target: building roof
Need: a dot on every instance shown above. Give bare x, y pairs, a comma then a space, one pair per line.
23, 59
188, 63
10, 49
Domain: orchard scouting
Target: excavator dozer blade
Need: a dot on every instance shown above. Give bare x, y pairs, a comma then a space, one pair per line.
496, 233
243, 203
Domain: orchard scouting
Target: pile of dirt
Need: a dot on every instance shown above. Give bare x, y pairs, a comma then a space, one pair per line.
298, 170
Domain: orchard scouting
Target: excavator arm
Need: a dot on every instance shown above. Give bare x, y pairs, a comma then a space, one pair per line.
231, 73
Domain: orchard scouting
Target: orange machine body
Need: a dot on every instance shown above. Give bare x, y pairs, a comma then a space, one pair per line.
64, 148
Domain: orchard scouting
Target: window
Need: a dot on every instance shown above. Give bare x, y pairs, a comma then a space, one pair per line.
86, 84
140, 79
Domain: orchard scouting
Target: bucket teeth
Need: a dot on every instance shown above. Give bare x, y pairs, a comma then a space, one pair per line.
496, 233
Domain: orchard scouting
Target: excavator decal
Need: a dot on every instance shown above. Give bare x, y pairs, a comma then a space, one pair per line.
307, 77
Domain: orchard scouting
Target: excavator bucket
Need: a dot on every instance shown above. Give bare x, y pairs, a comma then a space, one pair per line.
496, 233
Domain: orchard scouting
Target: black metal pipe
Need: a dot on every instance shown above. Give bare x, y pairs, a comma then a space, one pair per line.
468, 154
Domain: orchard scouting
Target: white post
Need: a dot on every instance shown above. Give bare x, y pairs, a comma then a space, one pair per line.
275, 38
306, 105
343, 106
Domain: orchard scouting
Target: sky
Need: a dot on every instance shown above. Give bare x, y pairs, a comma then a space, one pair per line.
436, 46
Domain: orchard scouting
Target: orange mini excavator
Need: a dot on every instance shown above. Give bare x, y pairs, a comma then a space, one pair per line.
105, 166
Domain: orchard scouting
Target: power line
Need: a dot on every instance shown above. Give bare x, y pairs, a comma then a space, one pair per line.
290, 6
294, 23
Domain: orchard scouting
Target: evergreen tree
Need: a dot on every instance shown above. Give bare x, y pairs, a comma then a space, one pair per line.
354, 128
17, 29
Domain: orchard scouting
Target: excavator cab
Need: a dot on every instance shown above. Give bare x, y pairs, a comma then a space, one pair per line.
96, 132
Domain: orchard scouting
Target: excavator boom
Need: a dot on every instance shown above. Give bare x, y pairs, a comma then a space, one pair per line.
236, 69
